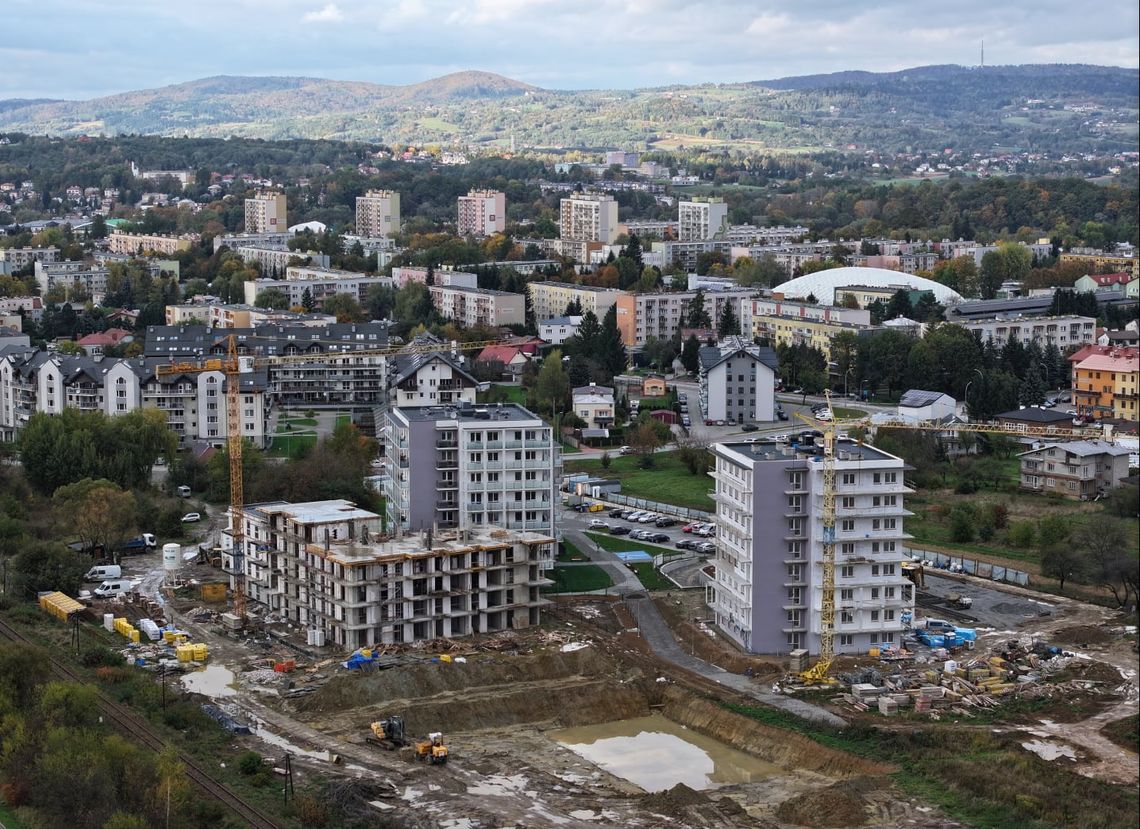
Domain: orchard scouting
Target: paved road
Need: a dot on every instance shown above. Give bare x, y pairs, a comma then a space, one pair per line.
660, 637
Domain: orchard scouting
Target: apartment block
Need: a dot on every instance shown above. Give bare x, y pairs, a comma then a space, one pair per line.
550, 299
328, 567
274, 261
1107, 384
589, 217
1080, 470
701, 219
1100, 262
321, 283
644, 316
15, 259
40, 381
470, 307
220, 315
737, 382
71, 276
266, 213
467, 466
482, 213
149, 243
767, 592
1068, 331
277, 240
378, 213
558, 330
442, 276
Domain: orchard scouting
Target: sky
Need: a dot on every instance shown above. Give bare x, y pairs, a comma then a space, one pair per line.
86, 48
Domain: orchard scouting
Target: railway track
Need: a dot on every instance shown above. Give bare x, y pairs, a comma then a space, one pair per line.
139, 729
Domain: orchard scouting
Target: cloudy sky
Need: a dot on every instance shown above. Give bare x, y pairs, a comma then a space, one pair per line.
86, 48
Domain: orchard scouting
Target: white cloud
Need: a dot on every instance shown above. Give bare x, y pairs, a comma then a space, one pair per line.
331, 13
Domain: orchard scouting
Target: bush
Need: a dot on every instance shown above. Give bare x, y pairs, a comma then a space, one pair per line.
1000, 516
101, 656
962, 524
966, 486
1021, 534
985, 532
249, 763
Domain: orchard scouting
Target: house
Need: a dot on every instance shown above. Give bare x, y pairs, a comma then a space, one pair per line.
502, 359
1035, 418
95, 344
1101, 282
595, 405
1080, 470
665, 416
1105, 384
738, 382
654, 385
558, 330
919, 404
1128, 337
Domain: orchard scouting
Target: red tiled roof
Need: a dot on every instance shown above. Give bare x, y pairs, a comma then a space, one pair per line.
498, 354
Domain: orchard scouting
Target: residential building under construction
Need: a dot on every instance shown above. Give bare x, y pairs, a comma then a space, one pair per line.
767, 591
325, 567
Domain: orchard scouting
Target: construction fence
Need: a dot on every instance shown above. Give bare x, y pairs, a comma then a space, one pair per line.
972, 567
657, 506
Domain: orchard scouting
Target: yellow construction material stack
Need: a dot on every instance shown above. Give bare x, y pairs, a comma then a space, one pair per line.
201, 652
60, 605
185, 653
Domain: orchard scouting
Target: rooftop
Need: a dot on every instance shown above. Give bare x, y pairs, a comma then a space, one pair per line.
771, 450
315, 512
1034, 415
1085, 448
916, 398
466, 414
473, 539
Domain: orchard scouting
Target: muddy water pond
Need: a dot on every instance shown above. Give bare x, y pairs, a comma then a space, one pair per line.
213, 681
656, 753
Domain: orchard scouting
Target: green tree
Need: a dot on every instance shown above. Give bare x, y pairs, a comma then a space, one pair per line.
696, 315
98, 229
100, 513
644, 441
552, 387
728, 325
690, 354
612, 357
1063, 562
693, 453
308, 304
44, 565
345, 307
273, 298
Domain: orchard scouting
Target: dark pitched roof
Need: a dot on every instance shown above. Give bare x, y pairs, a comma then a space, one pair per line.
917, 398
1035, 415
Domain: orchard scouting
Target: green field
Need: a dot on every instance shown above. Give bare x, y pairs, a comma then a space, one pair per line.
843, 413
621, 544
667, 480
578, 578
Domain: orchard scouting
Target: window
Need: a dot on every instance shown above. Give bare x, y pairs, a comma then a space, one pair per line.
846, 595
845, 617
889, 615
847, 548
847, 525
890, 593
848, 502
874, 592
847, 572
874, 569
846, 640
888, 569
848, 479
874, 615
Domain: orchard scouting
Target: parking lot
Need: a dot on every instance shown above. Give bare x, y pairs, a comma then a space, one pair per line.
665, 536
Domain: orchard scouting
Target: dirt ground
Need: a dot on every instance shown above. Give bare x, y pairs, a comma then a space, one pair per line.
498, 706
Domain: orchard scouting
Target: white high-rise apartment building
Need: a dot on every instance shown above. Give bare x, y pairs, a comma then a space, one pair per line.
378, 213
482, 213
767, 588
699, 220
589, 217
265, 213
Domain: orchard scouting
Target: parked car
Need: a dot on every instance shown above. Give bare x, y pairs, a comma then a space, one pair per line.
749, 427
781, 438
625, 450
688, 528
191, 517
112, 588
619, 530
824, 415
616, 513
685, 543
781, 414
598, 524
665, 521
706, 530
635, 515
103, 572
686, 422
681, 398
658, 538
705, 548
640, 535
647, 518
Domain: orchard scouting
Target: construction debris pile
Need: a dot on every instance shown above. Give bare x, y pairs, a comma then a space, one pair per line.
1017, 667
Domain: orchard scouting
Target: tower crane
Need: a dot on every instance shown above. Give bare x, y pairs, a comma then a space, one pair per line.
230, 365
818, 673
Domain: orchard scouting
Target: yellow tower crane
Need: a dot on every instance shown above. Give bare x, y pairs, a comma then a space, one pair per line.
819, 672
230, 366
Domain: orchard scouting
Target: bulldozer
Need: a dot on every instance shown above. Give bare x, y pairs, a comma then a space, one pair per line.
388, 733
432, 749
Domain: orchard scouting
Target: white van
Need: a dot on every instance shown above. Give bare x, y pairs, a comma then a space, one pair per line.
102, 572
183, 491
112, 588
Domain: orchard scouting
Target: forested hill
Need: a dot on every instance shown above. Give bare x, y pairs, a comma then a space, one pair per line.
1051, 108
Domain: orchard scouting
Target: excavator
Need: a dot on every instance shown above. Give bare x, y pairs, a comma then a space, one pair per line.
388, 733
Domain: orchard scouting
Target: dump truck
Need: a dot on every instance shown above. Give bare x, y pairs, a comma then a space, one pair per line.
388, 734
138, 545
959, 600
432, 749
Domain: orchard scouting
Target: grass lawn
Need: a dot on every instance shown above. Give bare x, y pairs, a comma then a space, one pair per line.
287, 446
570, 552
508, 394
649, 576
296, 422
1125, 733
578, 578
8, 818
667, 480
844, 413
621, 544
343, 418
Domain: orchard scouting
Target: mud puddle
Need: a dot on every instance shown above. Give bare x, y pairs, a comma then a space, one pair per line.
656, 753
214, 681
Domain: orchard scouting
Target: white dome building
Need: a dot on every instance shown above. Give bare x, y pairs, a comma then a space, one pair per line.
824, 283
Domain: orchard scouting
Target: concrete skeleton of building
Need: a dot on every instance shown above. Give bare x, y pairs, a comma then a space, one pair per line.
441, 276
275, 261
473, 465
276, 240
550, 299
471, 307
266, 212
737, 382
378, 213
766, 592
700, 219
482, 213
328, 567
1080, 470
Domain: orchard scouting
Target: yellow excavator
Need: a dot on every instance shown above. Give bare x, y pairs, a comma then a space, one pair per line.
388, 733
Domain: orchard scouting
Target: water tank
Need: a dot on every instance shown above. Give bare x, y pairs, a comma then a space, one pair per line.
171, 557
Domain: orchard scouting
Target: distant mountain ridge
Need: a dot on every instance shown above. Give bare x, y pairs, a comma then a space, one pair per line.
929, 106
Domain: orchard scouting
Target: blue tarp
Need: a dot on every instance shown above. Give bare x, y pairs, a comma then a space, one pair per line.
225, 720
